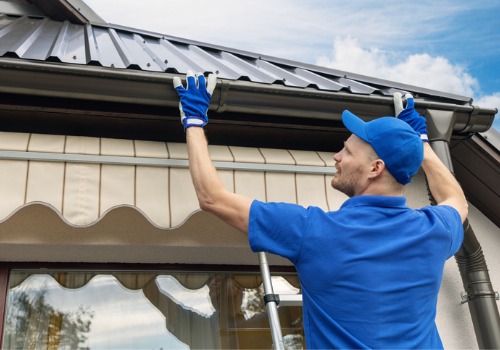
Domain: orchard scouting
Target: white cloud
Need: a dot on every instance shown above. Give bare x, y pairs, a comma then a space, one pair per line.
490, 101
292, 29
423, 70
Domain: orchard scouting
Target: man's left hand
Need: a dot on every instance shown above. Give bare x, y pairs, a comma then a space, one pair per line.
409, 115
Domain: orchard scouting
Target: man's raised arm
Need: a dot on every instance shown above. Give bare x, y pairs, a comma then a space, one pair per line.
212, 196
444, 187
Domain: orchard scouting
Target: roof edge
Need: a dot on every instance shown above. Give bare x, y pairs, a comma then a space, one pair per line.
149, 88
297, 64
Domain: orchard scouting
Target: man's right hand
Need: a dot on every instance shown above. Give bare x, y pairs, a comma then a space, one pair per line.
195, 98
409, 115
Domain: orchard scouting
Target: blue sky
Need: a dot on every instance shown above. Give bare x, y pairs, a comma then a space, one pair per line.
452, 46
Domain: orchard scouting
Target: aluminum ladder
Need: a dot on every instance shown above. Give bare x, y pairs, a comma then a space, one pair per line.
273, 300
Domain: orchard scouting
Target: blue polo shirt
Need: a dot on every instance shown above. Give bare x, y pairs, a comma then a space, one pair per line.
370, 272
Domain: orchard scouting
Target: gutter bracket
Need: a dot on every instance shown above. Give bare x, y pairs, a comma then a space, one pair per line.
224, 93
466, 297
472, 119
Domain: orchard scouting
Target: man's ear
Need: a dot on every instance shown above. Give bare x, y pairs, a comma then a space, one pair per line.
377, 166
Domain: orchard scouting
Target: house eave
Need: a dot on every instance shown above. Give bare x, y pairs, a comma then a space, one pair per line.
95, 83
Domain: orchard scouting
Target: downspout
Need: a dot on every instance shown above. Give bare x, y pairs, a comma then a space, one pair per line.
479, 293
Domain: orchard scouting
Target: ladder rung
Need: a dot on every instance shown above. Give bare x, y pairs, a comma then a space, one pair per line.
290, 300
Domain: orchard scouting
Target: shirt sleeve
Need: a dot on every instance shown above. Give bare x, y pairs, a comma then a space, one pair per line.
451, 218
277, 228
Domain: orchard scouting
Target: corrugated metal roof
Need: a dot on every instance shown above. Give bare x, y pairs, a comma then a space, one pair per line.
119, 47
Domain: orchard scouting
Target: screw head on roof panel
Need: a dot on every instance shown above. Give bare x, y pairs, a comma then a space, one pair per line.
74, 57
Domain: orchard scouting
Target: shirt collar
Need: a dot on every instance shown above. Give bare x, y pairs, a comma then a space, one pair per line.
375, 201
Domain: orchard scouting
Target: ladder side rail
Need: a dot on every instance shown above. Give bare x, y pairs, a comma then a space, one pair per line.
271, 301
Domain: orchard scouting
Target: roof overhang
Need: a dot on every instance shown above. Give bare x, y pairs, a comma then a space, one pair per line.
247, 101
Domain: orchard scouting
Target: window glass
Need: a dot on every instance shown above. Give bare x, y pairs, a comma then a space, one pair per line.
138, 310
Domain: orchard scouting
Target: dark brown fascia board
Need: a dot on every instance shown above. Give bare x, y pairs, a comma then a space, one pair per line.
97, 83
60, 10
86, 11
482, 187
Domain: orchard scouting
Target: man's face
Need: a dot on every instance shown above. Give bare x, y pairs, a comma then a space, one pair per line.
352, 164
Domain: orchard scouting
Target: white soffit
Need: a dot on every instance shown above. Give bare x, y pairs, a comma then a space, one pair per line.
83, 178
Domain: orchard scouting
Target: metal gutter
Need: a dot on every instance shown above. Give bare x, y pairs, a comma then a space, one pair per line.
153, 88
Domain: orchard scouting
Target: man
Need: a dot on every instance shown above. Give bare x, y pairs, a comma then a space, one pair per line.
371, 271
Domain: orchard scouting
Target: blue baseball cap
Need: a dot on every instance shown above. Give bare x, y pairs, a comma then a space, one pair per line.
394, 141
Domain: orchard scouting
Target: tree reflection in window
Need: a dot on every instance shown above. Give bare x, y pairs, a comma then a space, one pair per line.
44, 326
121, 318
